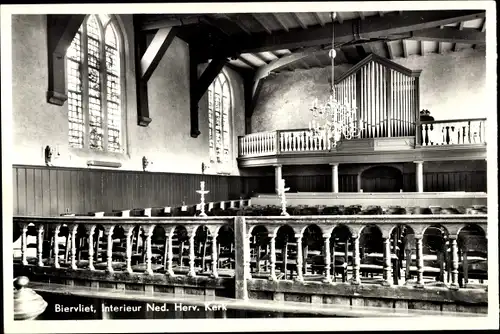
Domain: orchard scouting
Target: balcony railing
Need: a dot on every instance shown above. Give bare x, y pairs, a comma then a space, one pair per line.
457, 132
432, 133
399, 249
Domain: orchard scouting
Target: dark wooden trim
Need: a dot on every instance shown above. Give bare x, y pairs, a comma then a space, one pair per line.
388, 89
450, 35
143, 118
61, 30
155, 51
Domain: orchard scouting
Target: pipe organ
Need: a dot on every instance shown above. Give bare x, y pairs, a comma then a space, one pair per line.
385, 94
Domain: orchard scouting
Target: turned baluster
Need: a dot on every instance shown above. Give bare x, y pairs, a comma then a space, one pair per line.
74, 229
299, 261
387, 262
24, 245
191, 272
108, 231
148, 231
328, 263
170, 254
128, 250
454, 262
426, 134
56, 246
39, 245
447, 135
356, 259
215, 273
420, 260
282, 141
272, 260
91, 231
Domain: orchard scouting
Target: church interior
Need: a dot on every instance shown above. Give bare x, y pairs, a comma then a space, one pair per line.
235, 157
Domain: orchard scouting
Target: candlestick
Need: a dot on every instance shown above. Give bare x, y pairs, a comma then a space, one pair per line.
202, 193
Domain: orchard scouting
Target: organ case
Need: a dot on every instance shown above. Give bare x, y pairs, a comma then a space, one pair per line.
385, 94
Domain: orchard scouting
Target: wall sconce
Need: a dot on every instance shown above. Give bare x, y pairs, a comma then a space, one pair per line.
145, 163
204, 167
49, 154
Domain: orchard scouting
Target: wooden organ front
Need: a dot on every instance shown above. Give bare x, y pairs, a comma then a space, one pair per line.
385, 94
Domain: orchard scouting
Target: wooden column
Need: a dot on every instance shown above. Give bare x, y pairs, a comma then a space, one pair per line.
454, 263
277, 177
191, 272
129, 230
419, 174
420, 260
39, 245
356, 279
328, 264
56, 246
108, 231
335, 177
73, 246
148, 231
387, 262
90, 231
272, 260
241, 273
299, 260
24, 231
215, 273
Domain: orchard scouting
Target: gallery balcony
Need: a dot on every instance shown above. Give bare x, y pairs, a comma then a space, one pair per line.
461, 139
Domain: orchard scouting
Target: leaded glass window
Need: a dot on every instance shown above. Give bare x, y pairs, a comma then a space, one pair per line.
94, 86
219, 111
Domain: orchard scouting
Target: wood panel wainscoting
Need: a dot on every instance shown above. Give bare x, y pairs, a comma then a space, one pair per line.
50, 191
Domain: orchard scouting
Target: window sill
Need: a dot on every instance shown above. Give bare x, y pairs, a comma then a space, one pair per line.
96, 155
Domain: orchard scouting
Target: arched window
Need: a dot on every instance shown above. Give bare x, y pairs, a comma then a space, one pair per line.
94, 86
219, 111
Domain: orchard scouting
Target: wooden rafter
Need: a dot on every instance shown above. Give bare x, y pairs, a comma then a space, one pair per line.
262, 23
451, 35
169, 22
340, 19
299, 21
483, 25
361, 15
280, 22
318, 19
247, 62
373, 27
389, 50
440, 48
461, 26
237, 22
422, 49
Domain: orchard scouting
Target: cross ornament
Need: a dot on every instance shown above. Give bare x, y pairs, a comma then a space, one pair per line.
202, 193
282, 194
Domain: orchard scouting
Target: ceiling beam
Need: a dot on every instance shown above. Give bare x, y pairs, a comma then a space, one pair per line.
280, 22
169, 22
451, 35
483, 26
256, 55
61, 29
155, 51
422, 49
262, 24
405, 48
461, 26
373, 27
299, 21
318, 18
284, 61
223, 27
238, 23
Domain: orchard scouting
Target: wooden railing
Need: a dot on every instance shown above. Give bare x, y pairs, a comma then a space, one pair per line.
431, 133
393, 247
453, 132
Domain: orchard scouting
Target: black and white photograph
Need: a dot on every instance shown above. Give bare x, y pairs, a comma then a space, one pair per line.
331, 163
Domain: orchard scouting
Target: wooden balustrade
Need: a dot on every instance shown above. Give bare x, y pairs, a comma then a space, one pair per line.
453, 132
431, 133
262, 143
360, 249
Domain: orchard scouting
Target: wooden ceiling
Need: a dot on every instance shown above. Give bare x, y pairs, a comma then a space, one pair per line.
274, 42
